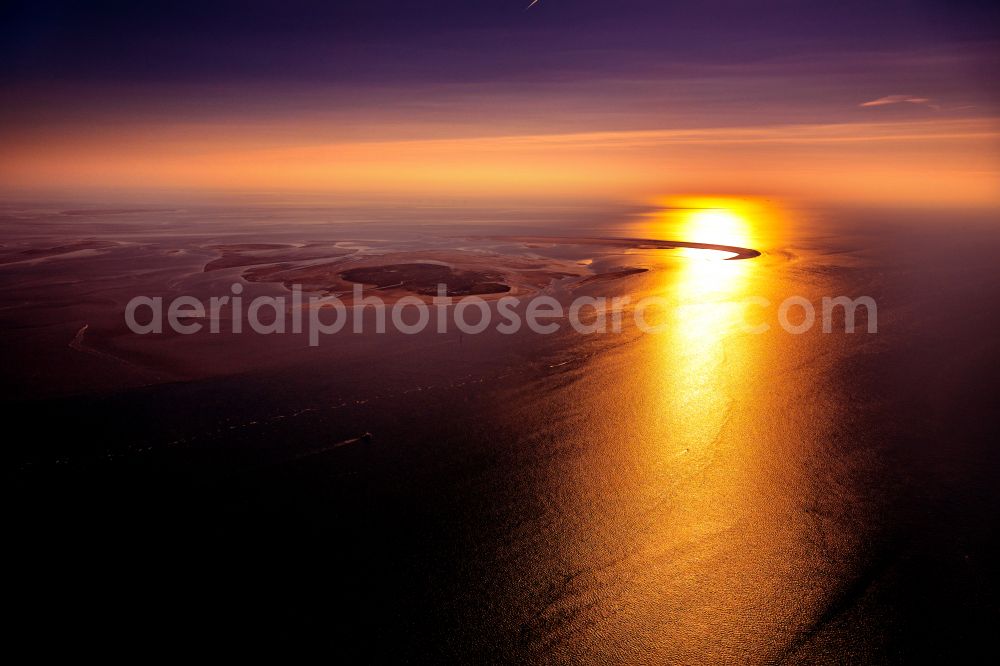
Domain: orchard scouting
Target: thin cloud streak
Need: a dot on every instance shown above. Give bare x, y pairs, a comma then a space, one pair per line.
898, 99
974, 128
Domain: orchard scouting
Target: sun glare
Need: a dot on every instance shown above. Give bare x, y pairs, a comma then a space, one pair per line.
720, 226
736, 221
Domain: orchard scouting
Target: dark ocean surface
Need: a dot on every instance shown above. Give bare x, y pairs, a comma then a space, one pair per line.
696, 495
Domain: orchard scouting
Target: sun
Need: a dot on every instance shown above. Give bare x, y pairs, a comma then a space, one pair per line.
716, 221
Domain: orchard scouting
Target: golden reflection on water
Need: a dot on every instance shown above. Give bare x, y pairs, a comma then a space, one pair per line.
699, 371
709, 295
709, 436
706, 292
706, 371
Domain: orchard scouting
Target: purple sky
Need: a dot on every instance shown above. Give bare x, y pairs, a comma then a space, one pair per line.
291, 55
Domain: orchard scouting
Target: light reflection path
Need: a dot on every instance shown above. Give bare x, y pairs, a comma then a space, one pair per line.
686, 533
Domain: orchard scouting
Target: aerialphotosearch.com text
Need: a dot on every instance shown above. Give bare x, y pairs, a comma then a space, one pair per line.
320, 316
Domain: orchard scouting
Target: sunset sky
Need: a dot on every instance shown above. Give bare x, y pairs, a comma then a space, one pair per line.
876, 103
